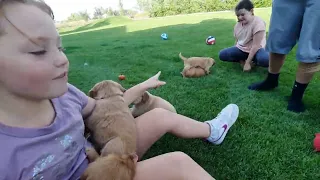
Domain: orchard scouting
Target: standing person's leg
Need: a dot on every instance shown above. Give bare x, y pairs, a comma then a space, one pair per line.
152, 125
284, 31
233, 54
171, 166
308, 54
262, 58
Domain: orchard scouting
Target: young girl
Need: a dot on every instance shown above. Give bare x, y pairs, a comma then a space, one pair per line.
41, 115
250, 34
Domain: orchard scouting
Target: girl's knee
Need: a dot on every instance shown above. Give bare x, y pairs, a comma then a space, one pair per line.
178, 159
162, 118
180, 156
159, 111
263, 59
232, 54
263, 62
223, 55
173, 165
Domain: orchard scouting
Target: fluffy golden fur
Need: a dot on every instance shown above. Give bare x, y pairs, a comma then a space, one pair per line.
194, 66
193, 72
148, 102
111, 123
92, 154
113, 132
111, 167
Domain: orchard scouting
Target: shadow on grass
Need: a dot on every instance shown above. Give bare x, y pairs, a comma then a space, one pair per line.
182, 37
89, 26
178, 33
99, 23
85, 40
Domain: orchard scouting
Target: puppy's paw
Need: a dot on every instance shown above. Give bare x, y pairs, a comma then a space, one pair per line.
182, 73
92, 154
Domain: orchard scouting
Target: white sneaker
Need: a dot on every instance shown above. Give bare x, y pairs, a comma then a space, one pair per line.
220, 125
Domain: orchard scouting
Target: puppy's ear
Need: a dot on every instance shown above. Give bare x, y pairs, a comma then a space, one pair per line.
134, 157
84, 176
213, 62
138, 100
93, 93
145, 97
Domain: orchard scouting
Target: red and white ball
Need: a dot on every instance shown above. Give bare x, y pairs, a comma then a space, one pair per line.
210, 40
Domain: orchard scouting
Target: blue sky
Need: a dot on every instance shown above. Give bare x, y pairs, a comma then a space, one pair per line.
63, 8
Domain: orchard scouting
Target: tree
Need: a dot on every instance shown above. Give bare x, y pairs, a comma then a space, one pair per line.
116, 13
130, 13
144, 5
98, 12
121, 9
82, 15
172, 7
109, 11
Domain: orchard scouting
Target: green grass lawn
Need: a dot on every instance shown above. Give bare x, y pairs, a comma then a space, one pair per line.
267, 141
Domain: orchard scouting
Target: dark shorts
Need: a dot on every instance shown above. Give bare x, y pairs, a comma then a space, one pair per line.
292, 22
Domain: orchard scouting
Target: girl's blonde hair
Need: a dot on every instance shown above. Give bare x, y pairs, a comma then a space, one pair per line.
38, 3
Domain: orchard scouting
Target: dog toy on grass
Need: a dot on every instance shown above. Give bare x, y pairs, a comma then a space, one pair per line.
164, 36
316, 143
122, 77
210, 40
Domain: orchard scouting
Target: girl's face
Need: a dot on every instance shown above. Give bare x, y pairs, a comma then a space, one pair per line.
32, 64
244, 16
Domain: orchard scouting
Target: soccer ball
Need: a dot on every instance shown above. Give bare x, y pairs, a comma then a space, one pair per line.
210, 40
164, 36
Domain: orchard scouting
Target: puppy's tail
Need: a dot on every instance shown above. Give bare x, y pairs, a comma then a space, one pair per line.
182, 57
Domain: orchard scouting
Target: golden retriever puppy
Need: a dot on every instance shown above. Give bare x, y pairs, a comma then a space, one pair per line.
148, 102
111, 123
193, 72
111, 167
113, 132
203, 62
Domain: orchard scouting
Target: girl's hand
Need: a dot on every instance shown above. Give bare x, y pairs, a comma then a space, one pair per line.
247, 67
153, 82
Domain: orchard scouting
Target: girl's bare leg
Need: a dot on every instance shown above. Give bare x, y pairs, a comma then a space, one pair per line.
152, 125
171, 166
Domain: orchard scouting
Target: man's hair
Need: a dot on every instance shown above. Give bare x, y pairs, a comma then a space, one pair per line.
244, 4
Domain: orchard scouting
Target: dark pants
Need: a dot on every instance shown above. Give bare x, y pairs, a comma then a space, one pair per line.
233, 54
